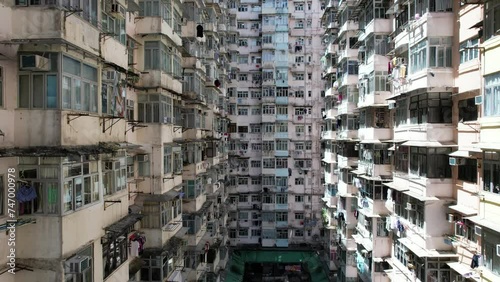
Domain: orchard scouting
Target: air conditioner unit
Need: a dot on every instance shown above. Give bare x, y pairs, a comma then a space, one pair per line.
478, 230
109, 75
478, 100
307, 206
78, 264
392, 106
34, 63
451, 218
456, 161
142, 158
117, 11
498, 250
410, 206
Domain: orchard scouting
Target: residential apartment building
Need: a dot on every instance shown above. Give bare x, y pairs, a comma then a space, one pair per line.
409, 152
112, 124
275, 108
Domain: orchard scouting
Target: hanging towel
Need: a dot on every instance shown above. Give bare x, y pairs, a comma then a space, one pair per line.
134, 249
26, 193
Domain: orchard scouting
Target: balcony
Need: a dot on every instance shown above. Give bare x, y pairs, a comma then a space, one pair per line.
346, 161
378, 26
329, 135
348, 26
156, 25
373, 133
346, 107
347, 134
347, 53
282, 100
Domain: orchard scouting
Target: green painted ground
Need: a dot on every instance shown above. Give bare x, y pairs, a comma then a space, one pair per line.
236, 266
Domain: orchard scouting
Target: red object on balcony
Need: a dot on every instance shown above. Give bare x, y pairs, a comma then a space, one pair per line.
257, 66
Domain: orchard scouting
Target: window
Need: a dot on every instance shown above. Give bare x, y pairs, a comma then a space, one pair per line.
282, 145
241, 25
467, 110
243, 77
491, 171
38, 90
143, 165
299, 6
88, 8
156, 108
114, 253
489, 246
430, 162
242, 94
43, 175
81, 184
243, 8
401, 117
466, 51
256, 111
299, 181
492, 93
152, 8
299, 198
418, 56
167, 160
114, 26
158, 56
281, 233
465, 228
79, 87
243, 42
298, 76
491, 19
298, 233
430, 108
440, 52
114, 175
299, 24
255, 164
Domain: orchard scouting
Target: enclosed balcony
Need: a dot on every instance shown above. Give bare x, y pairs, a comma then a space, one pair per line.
374, 124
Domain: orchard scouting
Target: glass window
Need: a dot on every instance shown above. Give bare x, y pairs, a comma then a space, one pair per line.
491, 19
491, 171
468, 50
492, 94
467, 110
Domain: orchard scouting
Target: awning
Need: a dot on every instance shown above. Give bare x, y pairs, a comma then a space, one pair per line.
420, 197
394, 141
358, 172
477, 25
125, 224
132, 6
20, 222
160, 198
463, 210
60, 151
485, 223
392, 148
203, 208
460, 154
370, 141
396, 187
431, 144
489, 146
181, 232
414, 248
464, 270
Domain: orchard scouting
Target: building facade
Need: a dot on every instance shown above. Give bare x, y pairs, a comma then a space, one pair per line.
275, 108
409, 151
124, 102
